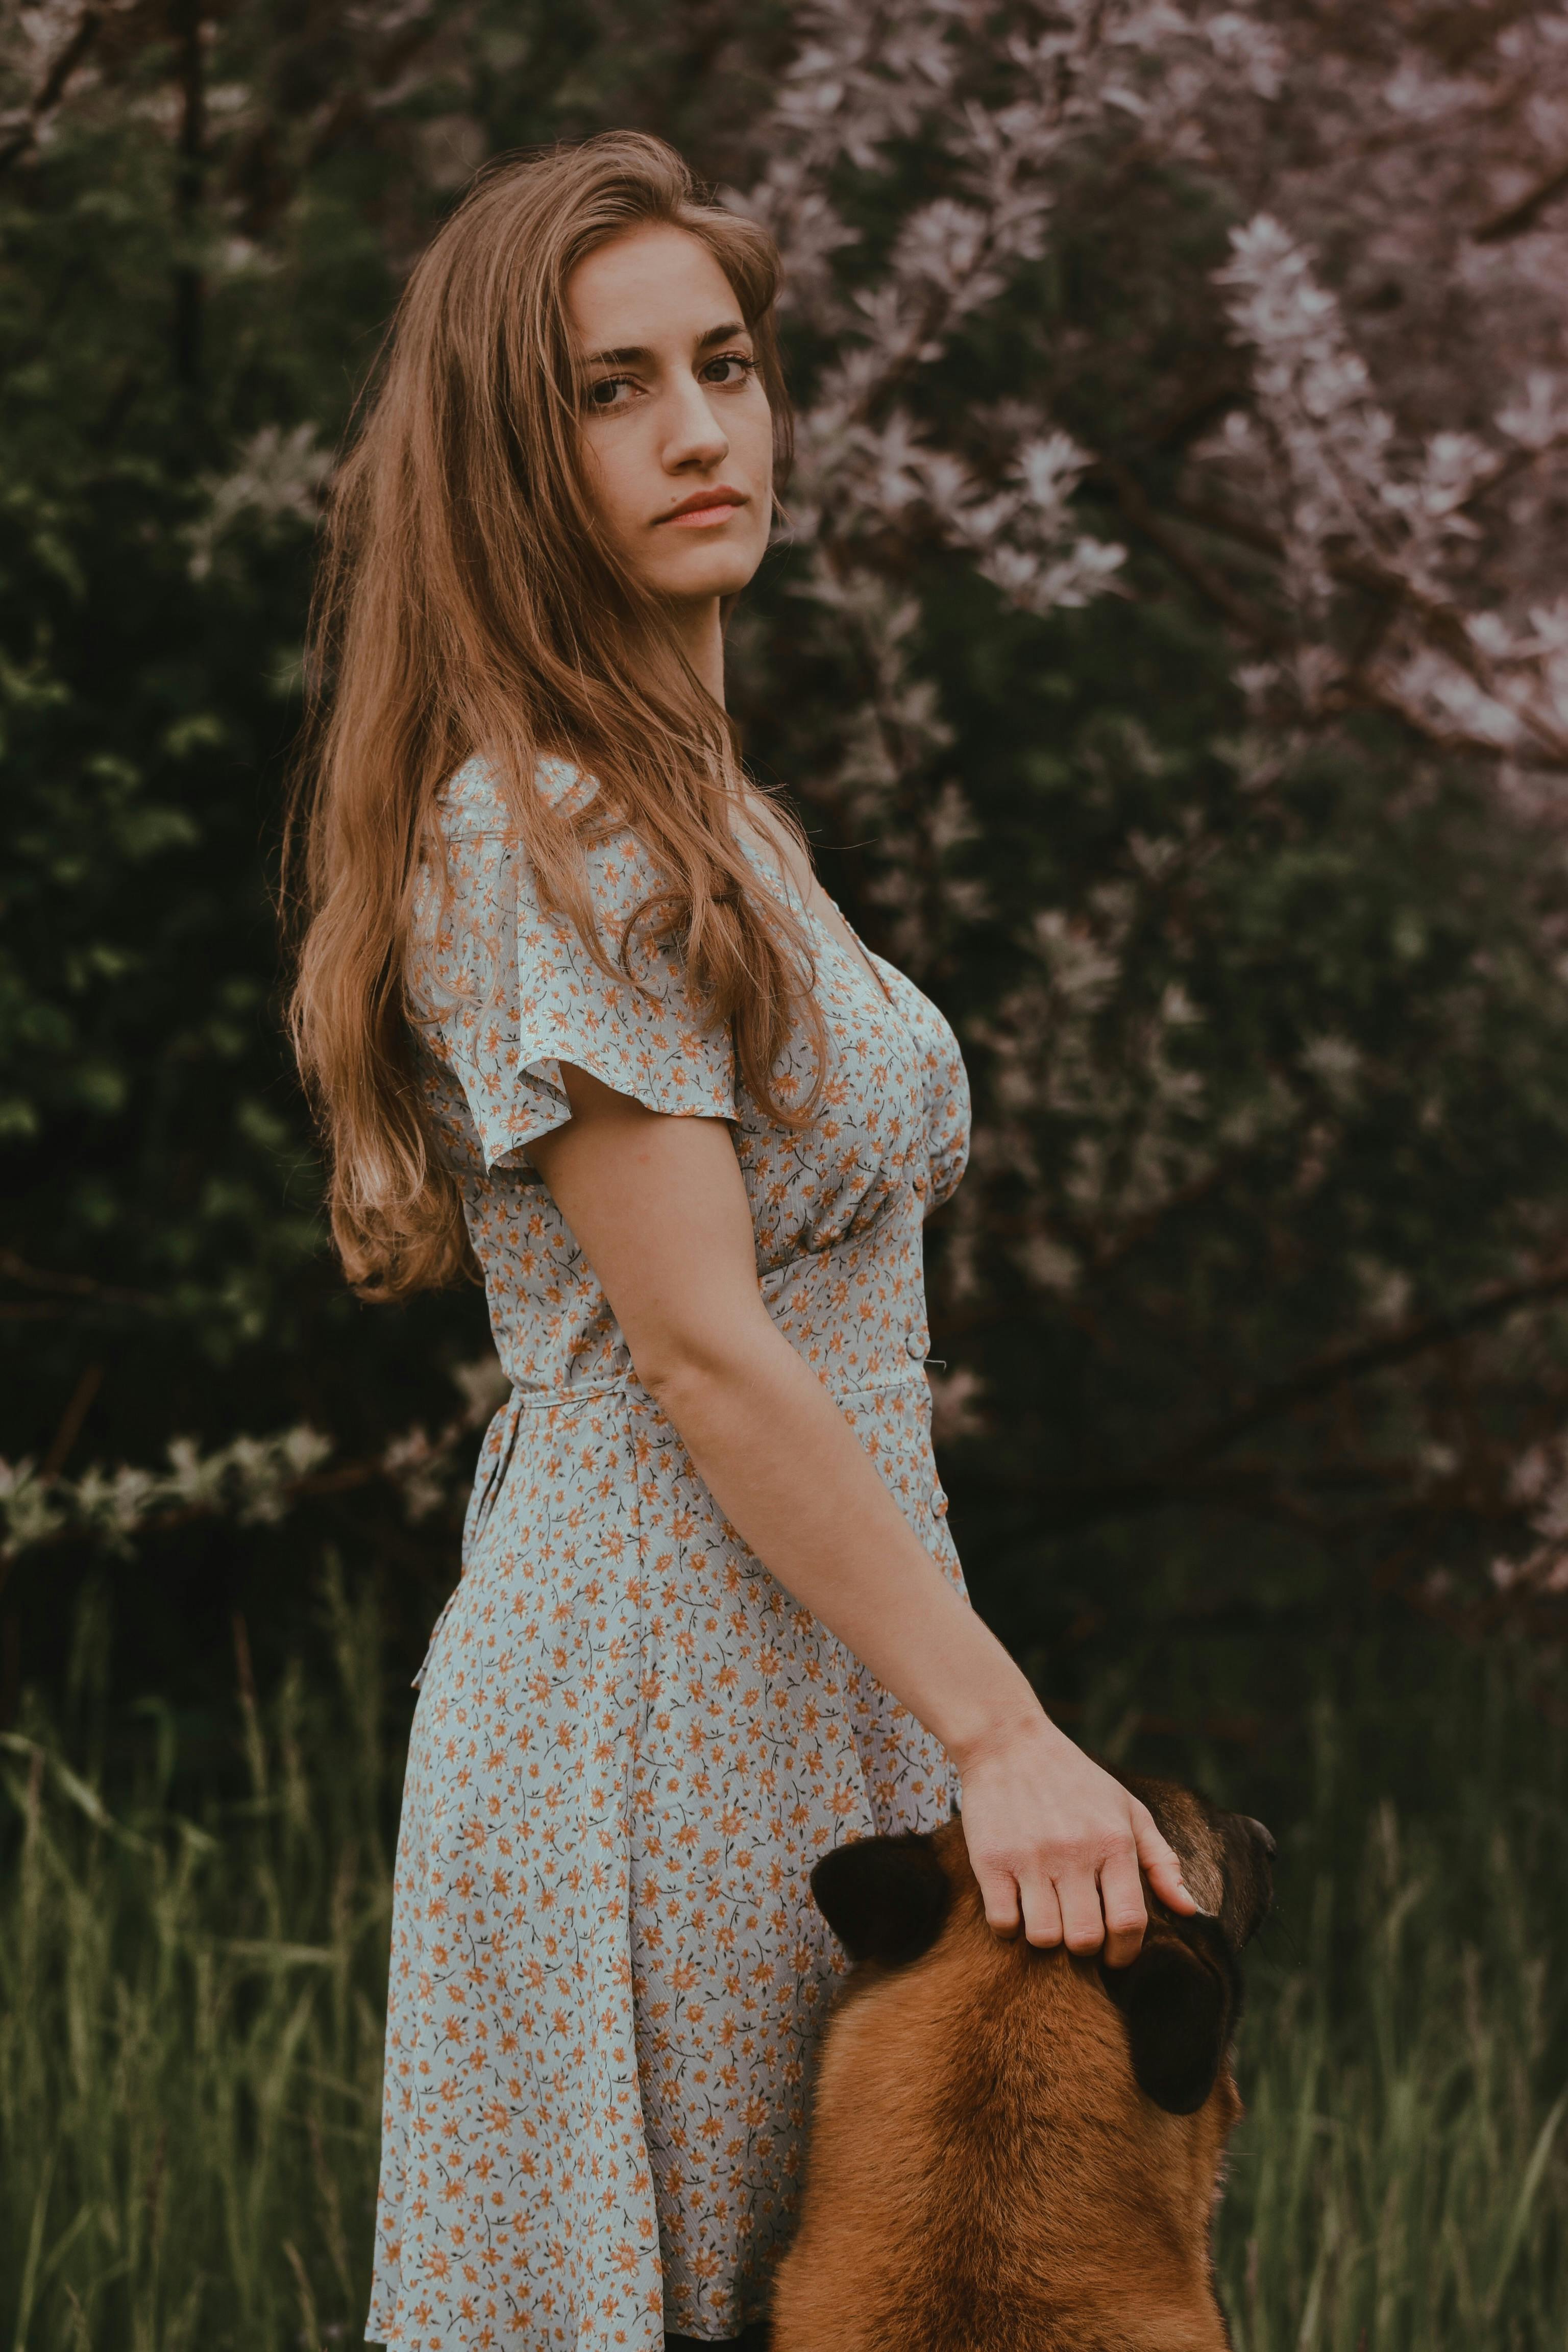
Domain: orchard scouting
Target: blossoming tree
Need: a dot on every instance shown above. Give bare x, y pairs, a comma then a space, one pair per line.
1168, 648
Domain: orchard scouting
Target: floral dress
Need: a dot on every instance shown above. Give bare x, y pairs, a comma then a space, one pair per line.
631, 1744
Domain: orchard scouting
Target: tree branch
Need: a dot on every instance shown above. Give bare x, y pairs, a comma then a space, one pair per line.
1180, 1475
1524, 211
1358, 568
1139, 512
61, 1285
1357, 1359
22, 133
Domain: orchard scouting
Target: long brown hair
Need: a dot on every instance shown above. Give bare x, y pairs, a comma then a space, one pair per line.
466, 605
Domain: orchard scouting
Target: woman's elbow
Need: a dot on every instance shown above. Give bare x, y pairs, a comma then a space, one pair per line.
683, 1369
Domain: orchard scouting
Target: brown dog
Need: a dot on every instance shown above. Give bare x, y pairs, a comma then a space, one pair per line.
1013, 2150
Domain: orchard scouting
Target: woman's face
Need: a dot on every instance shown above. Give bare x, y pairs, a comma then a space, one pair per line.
677, 431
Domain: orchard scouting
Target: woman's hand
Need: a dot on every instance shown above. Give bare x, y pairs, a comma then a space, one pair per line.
1056, 1845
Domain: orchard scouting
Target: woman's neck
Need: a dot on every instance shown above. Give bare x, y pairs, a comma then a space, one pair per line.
697, 630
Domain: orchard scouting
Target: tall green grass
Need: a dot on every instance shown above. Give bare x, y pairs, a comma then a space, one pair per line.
192, 2007
1400, 2180
192, 1999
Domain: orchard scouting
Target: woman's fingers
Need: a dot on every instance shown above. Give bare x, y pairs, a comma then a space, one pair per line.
999, 1893
1042, 1914
1160, 1861
1083, 1924
1122, 1900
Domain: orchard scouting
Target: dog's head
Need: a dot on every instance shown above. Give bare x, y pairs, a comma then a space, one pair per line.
890, 1899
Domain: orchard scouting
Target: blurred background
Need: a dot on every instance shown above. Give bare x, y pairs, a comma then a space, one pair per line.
1168, 657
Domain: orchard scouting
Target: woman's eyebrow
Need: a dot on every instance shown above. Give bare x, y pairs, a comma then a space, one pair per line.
634, 354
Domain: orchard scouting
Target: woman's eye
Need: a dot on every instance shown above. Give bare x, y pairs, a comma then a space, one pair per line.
723, 373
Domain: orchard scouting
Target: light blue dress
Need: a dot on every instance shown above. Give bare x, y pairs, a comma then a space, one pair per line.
631, 1744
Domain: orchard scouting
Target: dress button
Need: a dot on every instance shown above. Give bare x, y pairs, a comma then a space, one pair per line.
916, 1345
939, 1502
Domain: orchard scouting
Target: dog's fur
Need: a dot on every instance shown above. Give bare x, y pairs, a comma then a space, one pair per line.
1013, 2150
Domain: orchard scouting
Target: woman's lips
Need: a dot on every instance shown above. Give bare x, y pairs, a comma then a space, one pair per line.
716, 510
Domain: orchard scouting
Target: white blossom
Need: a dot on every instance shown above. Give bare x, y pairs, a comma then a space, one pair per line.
280, 476
251, 1480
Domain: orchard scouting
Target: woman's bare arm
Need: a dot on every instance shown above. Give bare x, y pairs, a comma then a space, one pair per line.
658, 1207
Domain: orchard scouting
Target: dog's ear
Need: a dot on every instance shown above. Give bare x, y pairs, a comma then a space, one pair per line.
1179, 1999
1249, 1854
885, 1898
1228, 1859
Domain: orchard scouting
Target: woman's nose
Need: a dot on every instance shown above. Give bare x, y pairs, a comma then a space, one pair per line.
694, 436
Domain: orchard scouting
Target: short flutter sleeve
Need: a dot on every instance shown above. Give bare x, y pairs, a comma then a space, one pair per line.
947, 1117
506, 989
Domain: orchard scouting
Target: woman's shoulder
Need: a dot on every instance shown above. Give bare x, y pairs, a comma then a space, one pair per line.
483, 867
472, 803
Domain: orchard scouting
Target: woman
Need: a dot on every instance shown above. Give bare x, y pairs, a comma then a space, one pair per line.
572, 995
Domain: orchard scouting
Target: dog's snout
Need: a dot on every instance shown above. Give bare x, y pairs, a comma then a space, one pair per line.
1263, 1836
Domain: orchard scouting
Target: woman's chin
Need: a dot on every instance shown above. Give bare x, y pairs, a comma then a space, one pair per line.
712, 571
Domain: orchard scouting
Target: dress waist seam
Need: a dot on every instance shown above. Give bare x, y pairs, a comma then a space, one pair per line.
542, 1399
